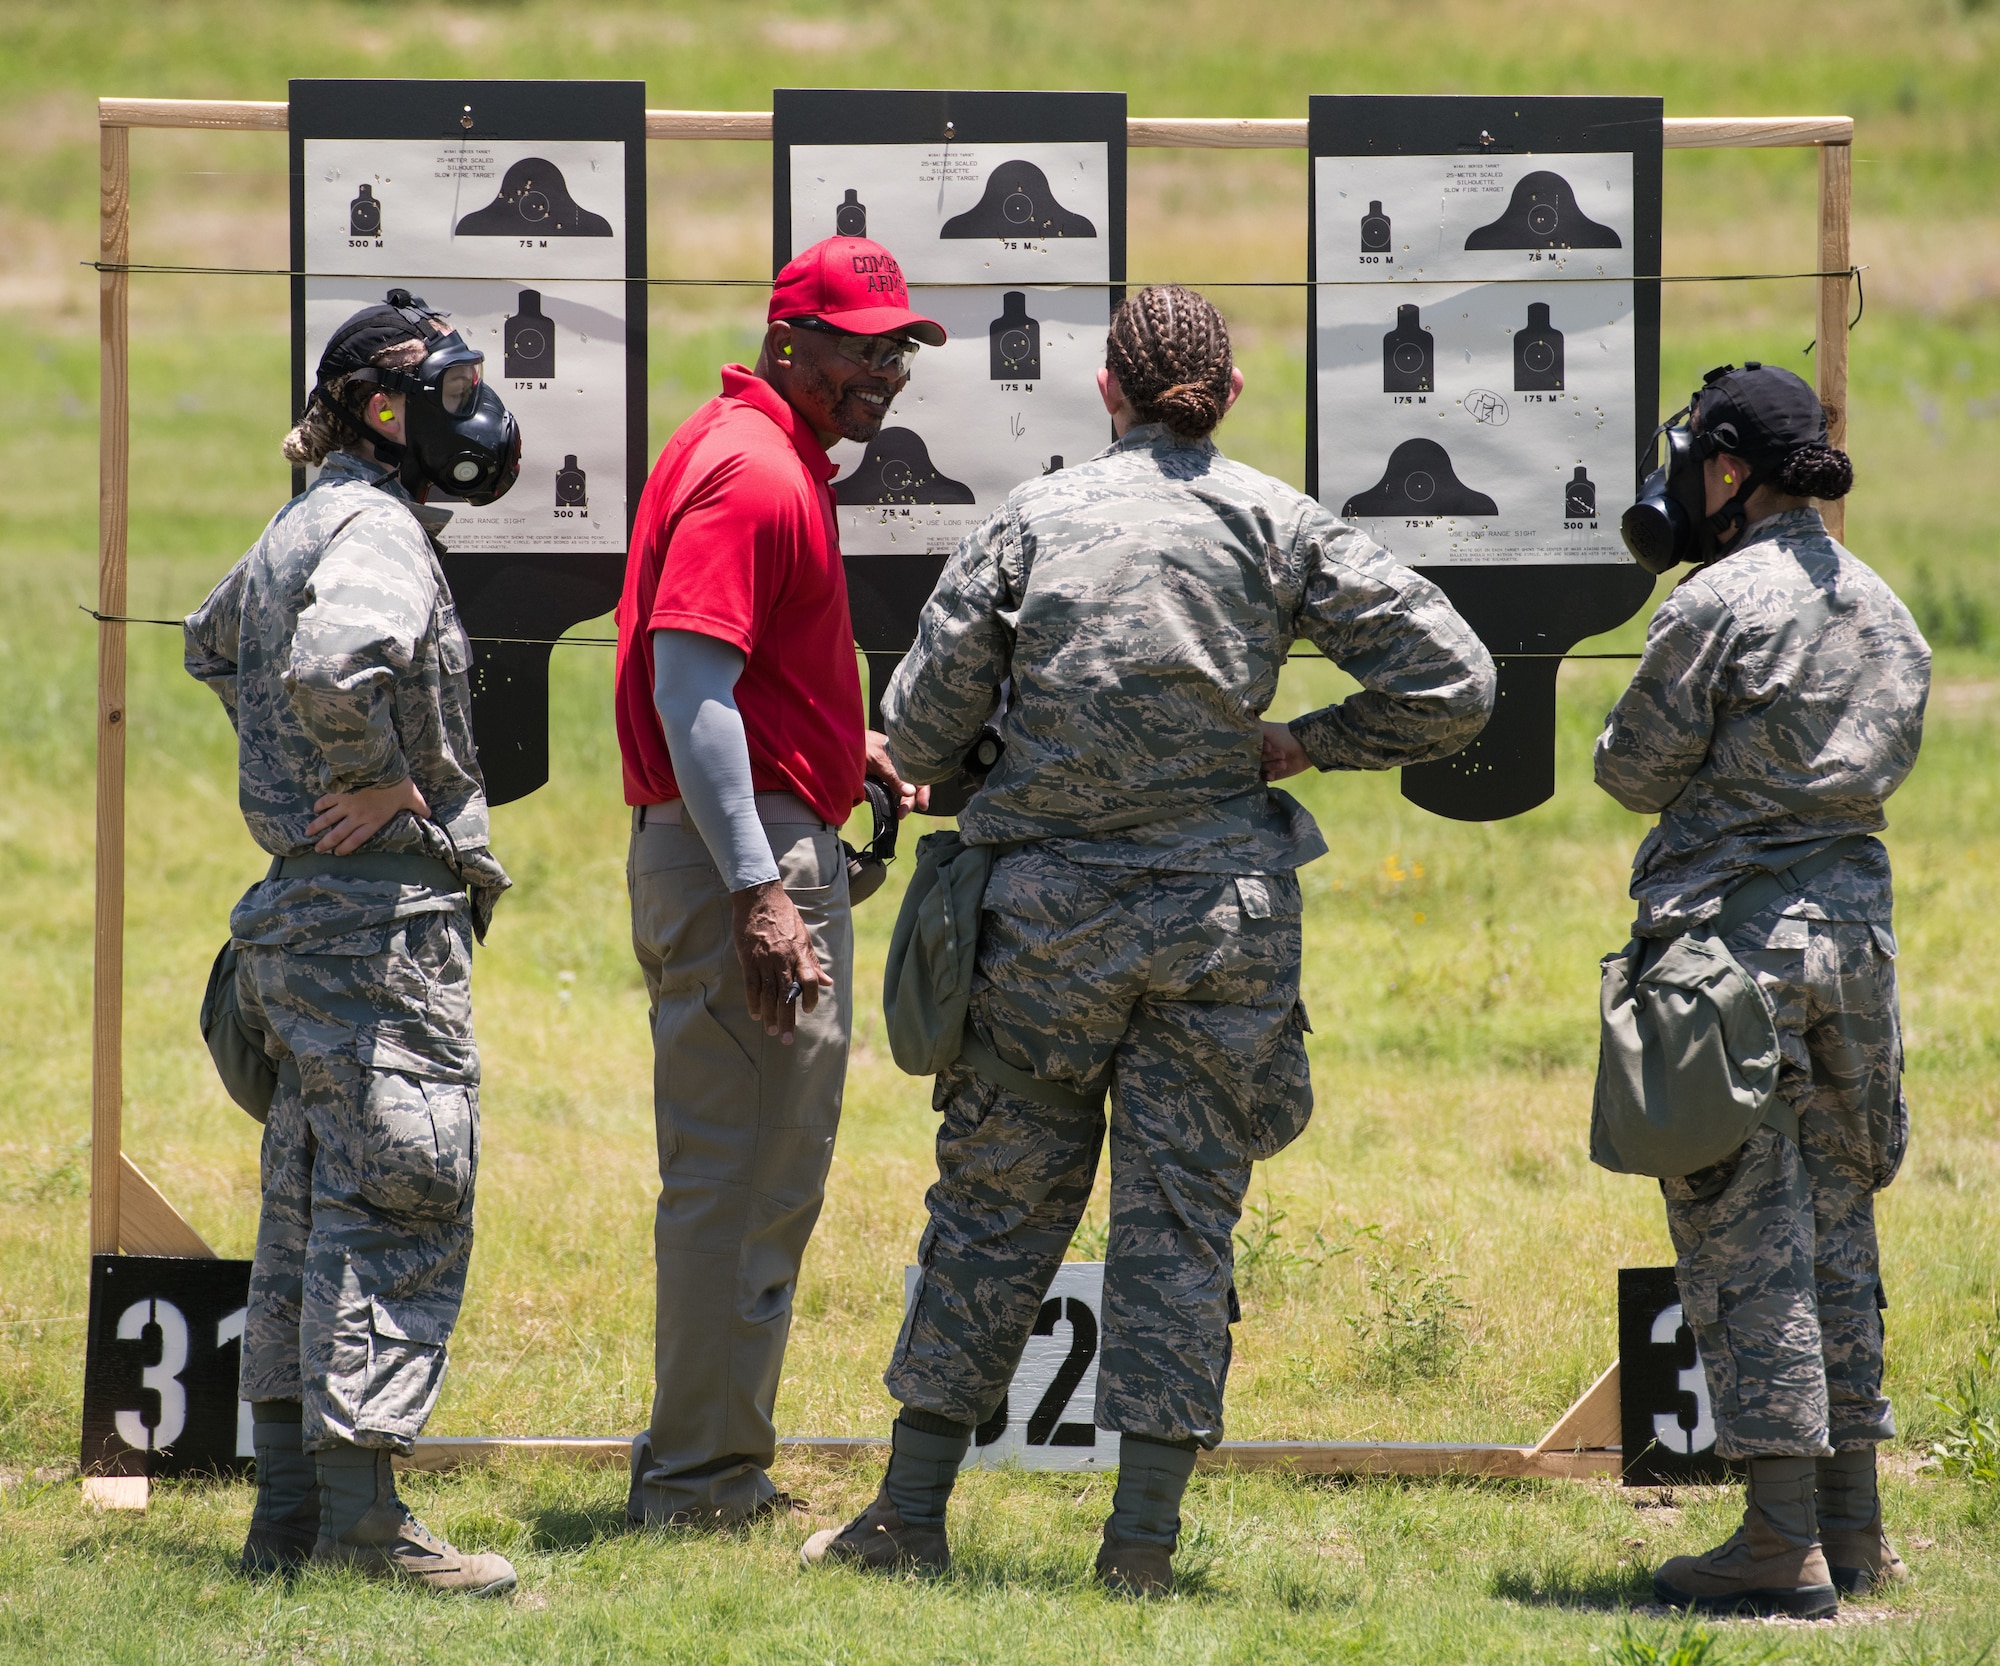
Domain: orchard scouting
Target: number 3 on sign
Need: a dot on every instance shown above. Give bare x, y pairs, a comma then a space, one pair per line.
1671, 1429
1044, 1421
163, 1377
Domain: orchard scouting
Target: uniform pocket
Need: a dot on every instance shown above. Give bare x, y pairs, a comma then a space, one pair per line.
1284, 1089
812, 864
421, 1147
1896, 1141
406, 1358
409, 1322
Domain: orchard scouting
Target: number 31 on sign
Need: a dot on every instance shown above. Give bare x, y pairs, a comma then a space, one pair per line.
159, 1376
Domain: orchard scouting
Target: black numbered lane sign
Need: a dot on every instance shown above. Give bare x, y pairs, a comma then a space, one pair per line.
1484, 354
159, 1375
1045, 1419
1668, 1425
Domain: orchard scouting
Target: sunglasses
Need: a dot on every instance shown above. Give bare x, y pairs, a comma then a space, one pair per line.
889, 356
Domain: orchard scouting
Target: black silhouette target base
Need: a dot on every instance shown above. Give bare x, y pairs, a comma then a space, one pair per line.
1509, 768
512, 600
1529, 612
1528, 617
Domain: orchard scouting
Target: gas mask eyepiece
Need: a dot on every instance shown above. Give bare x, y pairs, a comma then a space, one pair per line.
462, 439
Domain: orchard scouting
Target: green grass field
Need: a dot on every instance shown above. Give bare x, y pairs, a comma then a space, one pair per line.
1450, 968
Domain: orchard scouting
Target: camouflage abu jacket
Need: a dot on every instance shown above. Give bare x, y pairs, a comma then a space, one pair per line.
334, 647
1142, 604
1780, 700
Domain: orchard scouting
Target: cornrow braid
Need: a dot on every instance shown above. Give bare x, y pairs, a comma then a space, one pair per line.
1169, 349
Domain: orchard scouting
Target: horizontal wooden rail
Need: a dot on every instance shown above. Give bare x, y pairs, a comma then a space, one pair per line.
1150, 132
1295, 1457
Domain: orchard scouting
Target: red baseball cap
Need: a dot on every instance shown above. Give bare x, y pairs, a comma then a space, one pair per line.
853, 284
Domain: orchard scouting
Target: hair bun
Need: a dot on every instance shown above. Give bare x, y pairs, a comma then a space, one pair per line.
1816, 471
1190, 408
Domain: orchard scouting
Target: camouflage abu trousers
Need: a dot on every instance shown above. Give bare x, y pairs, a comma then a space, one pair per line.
367, 1168
1184, 987
1779, 1272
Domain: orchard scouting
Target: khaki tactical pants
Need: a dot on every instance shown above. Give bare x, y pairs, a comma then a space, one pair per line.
746, 1127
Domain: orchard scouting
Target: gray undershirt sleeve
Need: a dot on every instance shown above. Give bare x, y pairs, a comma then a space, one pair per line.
694, 687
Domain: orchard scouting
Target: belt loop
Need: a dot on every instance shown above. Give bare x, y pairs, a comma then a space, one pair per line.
638, 818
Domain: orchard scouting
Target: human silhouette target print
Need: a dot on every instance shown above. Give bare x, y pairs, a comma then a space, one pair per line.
1543, 214
897, 469
1018, 202
534, 200
1419, 480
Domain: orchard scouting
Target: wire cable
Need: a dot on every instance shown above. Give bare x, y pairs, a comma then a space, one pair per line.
155, 268
612, 641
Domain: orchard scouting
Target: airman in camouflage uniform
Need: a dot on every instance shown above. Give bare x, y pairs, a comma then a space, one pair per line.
1779, 702
335, 647
1145, 935
1141, 935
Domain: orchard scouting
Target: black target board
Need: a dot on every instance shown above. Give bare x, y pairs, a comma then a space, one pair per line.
162, 1354
1484, 368
1667, 1424
1006, 213
518, 207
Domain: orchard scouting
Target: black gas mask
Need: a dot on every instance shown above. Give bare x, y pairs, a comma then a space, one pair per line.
460, 438
1670, 523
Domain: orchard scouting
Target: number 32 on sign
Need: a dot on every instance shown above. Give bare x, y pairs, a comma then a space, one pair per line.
1045, 1419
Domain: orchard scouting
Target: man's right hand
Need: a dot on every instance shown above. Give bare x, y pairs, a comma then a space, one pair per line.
776, 951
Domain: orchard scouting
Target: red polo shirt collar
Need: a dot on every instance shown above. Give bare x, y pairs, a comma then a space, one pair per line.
752, 389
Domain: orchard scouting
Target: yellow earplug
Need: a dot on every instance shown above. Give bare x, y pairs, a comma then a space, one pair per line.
386, 414
786, 350
1729, 480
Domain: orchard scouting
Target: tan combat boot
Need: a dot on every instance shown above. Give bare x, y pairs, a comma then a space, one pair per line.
880, 1541
1862, 1560
1136, 1567
1850, 1515
390, 1543
1756, 1570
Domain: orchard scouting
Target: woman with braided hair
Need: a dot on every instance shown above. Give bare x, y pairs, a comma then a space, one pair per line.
1140, 941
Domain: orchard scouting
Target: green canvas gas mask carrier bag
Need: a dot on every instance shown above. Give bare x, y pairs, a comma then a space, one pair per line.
1688, 1059
235, 1044
927, 983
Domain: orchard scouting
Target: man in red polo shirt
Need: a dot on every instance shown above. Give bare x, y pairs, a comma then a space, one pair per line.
740, 721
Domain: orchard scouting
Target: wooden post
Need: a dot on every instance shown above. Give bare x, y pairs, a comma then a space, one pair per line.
1836, 208
107, 1019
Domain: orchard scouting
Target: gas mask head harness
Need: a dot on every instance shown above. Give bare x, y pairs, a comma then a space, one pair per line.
458, 436
1760, 413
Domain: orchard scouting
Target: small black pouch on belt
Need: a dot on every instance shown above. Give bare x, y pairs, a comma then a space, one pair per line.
868, 868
